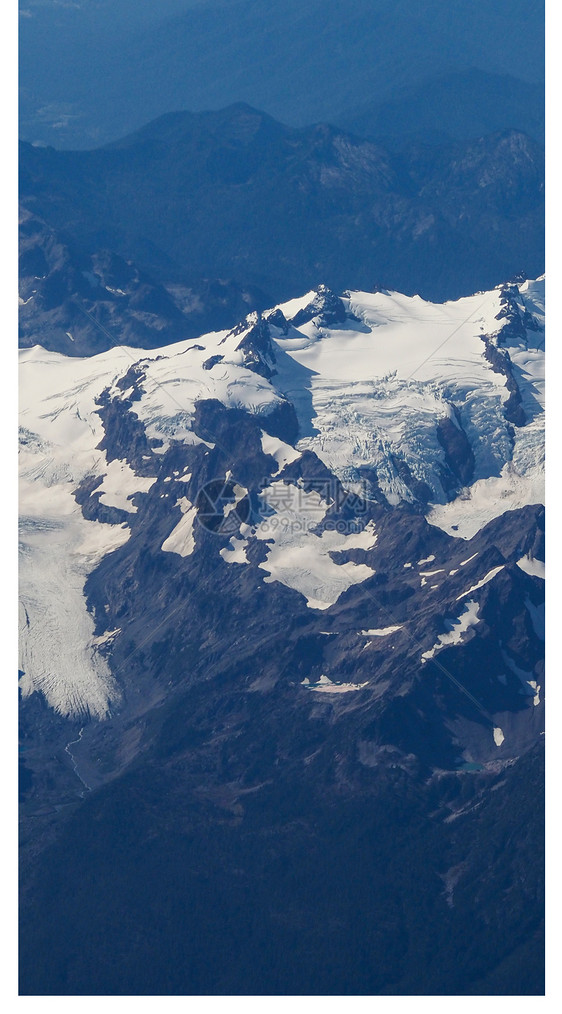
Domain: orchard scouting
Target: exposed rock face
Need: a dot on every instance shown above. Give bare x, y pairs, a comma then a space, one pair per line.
326, 307
277, 319
212, 361
516, 315
501, 362
516, 320
458, 452
258, 353
83, 303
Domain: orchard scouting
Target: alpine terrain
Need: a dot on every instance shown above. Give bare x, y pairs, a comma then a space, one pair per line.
282, 608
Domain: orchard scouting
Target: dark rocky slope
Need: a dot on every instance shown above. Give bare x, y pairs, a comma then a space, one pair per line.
197, 199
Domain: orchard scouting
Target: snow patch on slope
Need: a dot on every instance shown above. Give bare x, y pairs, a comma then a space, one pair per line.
488, 498
532, 567
381, 631
298, 556
327, 686
181, 539
480, 584
456, 628
283, 453
120, 484
498, 736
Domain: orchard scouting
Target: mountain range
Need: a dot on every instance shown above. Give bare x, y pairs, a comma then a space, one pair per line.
282, 595
93, 70
282, 534
460, 106
221, 213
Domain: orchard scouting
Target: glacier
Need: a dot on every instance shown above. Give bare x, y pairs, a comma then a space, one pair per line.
370, 387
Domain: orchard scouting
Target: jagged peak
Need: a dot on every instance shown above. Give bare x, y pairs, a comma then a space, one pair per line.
250, 321
325, 305
255, 344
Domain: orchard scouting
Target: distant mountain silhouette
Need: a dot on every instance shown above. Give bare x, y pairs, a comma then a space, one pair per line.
236, 195
90, 72
460, 106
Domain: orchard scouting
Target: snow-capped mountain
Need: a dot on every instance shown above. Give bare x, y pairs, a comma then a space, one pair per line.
308, 550
385, 400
